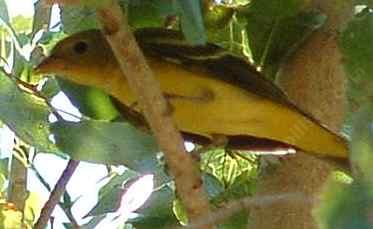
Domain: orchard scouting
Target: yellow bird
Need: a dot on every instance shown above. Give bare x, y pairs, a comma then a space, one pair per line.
211, 92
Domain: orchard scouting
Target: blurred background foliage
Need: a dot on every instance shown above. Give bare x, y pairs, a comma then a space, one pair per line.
265, 32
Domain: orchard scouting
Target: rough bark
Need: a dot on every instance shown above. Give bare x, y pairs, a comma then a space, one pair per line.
314, 79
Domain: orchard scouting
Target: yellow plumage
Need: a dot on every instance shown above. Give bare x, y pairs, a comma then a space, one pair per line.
202, 103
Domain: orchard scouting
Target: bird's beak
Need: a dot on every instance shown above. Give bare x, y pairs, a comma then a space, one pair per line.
42, 67
47, 65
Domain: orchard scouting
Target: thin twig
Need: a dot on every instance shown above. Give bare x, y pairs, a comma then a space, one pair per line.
56, 194
66, 210
234, 207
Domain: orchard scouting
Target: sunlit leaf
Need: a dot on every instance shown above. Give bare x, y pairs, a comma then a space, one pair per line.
22, 24
224, 166
4, 164
180, 211
10, 217
217, 17
33, 207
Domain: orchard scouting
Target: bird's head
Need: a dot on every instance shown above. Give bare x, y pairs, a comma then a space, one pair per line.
84, 58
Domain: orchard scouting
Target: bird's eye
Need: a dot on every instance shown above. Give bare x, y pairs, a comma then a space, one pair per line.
80, 47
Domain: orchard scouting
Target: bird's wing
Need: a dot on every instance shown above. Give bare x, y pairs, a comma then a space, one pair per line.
169, 44
223, 65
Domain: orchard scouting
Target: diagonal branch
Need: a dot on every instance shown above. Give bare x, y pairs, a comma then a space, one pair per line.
146, 87
56, 194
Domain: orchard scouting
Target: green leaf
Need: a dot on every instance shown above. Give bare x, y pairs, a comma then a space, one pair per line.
149, 13
20, 64
244, 185
49, 39
237, 221
233, 37
22, 24
107, 143
50, 88
192, 25
157, 211
226, 167
25, 115
110, 194
355, 43
212, 185
345, 206
90, 101
180, 212
361, 144
93, 222
4, 15
276, 28
78, 18
4, 162
218, 17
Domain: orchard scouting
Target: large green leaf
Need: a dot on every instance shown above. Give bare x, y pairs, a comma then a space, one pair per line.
345, 206
355, 43
26, 115
107, 143
275, 28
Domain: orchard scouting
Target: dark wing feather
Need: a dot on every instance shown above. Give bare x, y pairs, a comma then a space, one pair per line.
170, 45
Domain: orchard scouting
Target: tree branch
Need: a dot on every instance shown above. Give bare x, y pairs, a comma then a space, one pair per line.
66, 210
56, 194
146, 87
235, 206
140, 78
